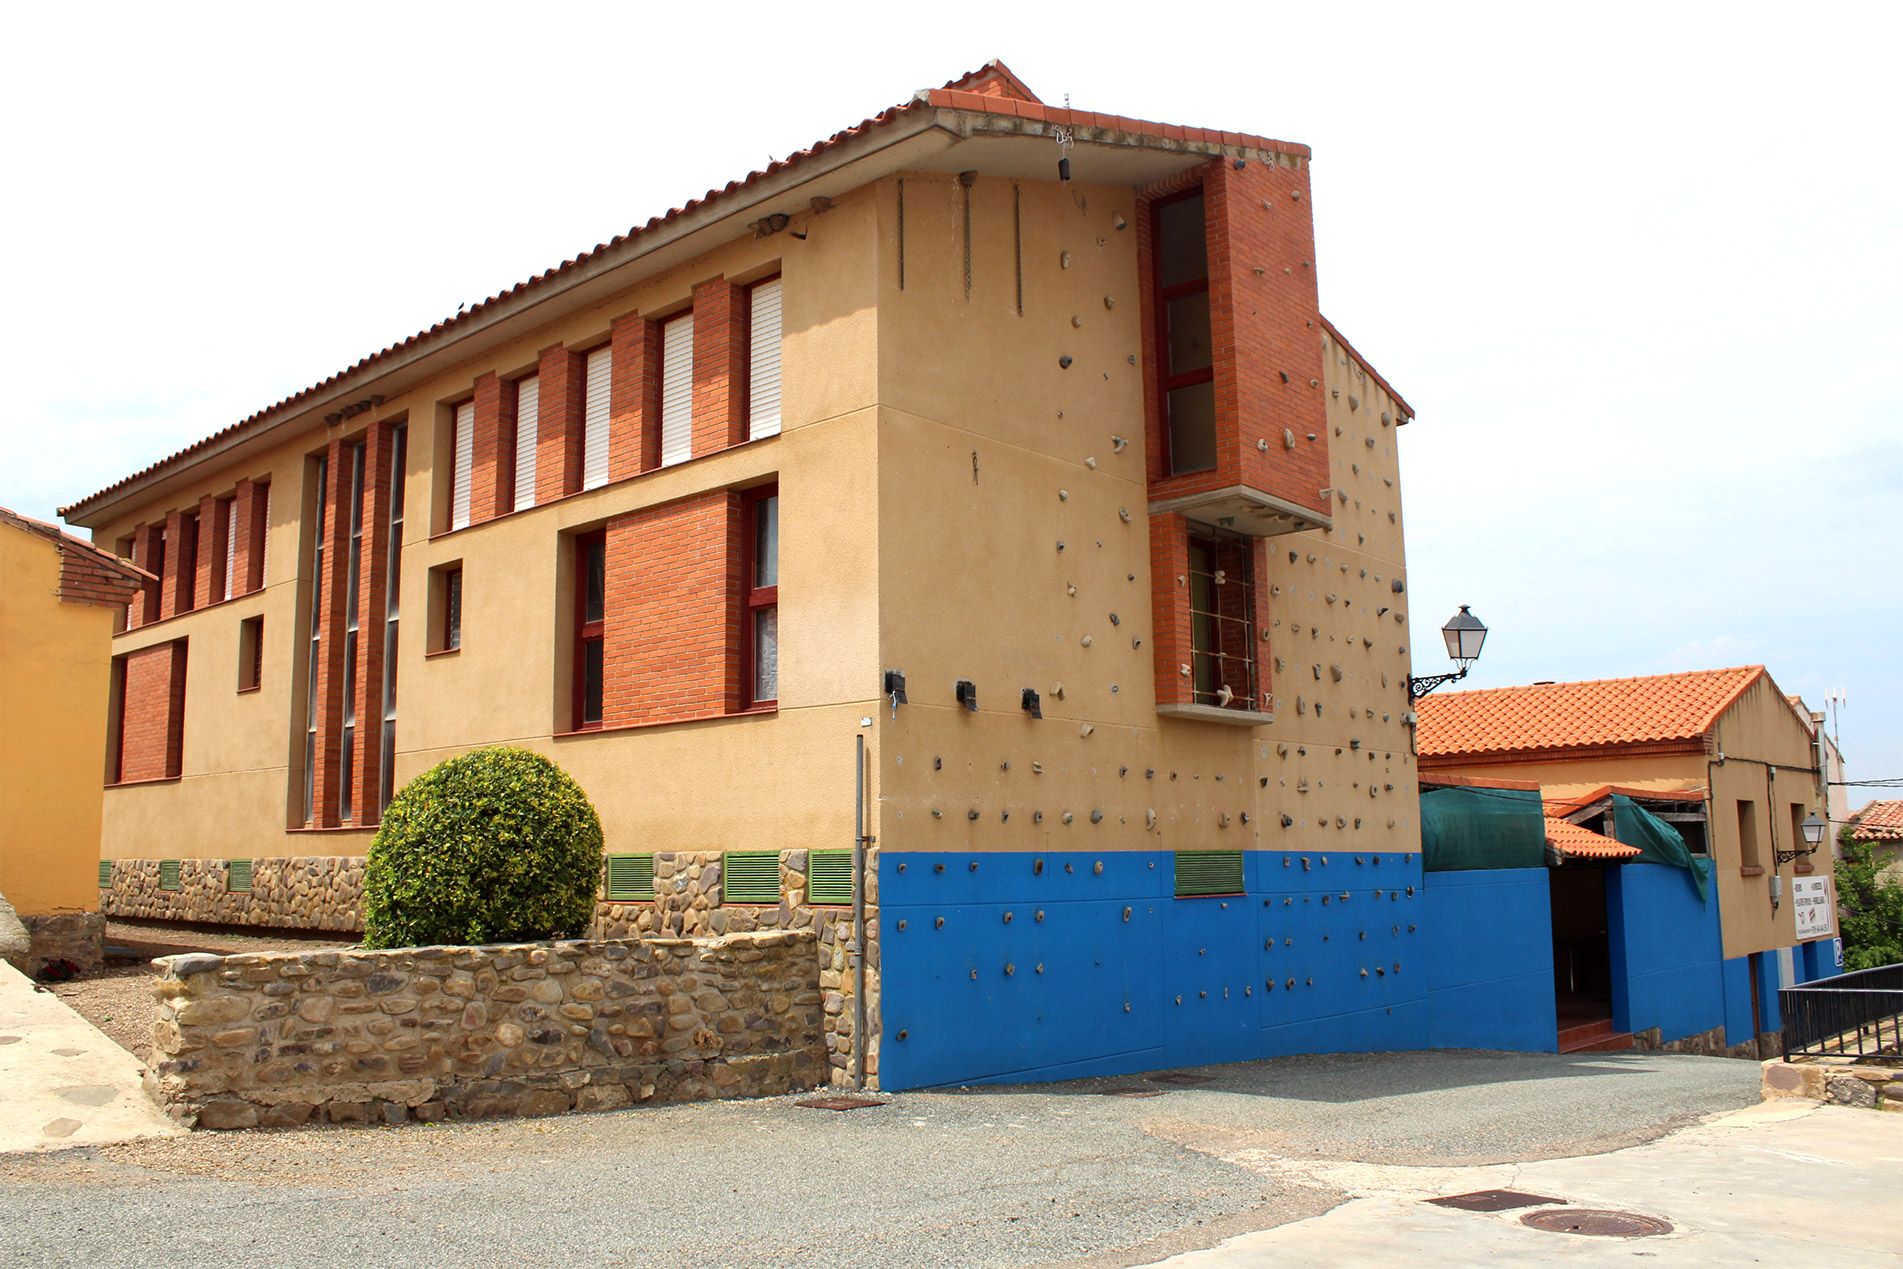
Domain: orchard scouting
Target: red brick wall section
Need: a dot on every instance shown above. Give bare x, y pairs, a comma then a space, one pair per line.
558, 433
492, 468
1265, 325
180, 574
672, 636
152, 728
211, 552
145, 539
333, 522
634, 417
86, 579
720, 366
248, 513
373, 595
1169, 605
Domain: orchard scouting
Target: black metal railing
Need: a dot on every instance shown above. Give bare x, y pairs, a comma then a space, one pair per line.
1859, 1014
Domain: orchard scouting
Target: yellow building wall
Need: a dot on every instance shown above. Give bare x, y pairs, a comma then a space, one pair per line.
783, 780
54, 668
992, 455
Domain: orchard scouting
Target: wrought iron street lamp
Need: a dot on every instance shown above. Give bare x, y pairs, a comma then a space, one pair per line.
1813, 829
1464, 634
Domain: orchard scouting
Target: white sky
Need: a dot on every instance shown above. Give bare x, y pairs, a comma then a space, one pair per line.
1639, 268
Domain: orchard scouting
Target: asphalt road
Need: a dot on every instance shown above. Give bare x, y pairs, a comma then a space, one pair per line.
1052, 1174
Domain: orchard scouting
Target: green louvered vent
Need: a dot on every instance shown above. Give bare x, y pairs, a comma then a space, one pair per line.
168, 874
1205, 872
829, 876
238, 876
630, 878
750, 876
105, 873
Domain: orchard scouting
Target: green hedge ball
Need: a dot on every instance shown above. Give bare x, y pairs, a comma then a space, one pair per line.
495, 846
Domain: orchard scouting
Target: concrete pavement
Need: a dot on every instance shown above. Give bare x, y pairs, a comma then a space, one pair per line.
62, 1082
1783, 1183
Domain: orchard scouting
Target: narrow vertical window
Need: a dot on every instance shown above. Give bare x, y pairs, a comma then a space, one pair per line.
187, 549
597, 394
1222, 619
353, 568
453, 609
528, 416
763, 359
1183, 334
156, 589
763, 597
462, 463
228, 522
591, 611
677, 390
250, 654
316, 635
393, 573
260, 535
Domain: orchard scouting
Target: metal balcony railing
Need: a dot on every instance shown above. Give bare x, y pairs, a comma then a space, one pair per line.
1859, 1014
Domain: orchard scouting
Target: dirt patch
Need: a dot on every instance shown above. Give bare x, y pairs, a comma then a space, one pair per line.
118, 997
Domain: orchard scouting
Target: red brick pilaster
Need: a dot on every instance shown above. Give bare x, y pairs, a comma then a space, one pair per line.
373, 593
181, 569
1171, 639
672, 634
634, 423
333, 521
492, 473
152, 718
558, 443
212, 532
720, 366
145, 546
248, 516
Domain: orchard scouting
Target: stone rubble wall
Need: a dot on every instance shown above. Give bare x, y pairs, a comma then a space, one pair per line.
304, 892
77, 939
1837, 1081
276, 1039
326, 893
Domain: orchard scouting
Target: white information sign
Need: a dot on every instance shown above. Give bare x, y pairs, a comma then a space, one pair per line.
1811, 905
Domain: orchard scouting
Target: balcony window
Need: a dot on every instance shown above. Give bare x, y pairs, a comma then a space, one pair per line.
1185, 359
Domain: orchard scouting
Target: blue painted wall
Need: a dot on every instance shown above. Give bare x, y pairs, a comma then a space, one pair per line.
1490, 960
1668, 968
1816, 960
1019, 966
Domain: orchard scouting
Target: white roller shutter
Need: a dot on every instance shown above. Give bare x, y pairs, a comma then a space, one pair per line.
229, 509
677, 390
594, 436
462, 465
528, 414
763, 362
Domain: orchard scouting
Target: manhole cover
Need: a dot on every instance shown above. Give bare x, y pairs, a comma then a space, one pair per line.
838, 1103
1495, 1200
1132, 1092
1589, 1220
1180, 1077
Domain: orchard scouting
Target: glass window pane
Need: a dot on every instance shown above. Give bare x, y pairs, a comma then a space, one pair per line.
1183, 254
766, 654
453, 610
596, 603
766, 541
1189, 332
1193, 428
591, 681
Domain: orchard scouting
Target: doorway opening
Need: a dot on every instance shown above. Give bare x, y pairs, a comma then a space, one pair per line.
1582, 959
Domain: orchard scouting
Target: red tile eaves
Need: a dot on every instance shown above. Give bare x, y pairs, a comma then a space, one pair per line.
1571, 839
1880, 821
67, 542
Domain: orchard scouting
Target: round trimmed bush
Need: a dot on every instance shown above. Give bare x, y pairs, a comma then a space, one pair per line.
495, 846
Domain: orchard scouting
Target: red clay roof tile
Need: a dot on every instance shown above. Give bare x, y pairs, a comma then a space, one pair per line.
1880, 821
1605, 713
1571, 839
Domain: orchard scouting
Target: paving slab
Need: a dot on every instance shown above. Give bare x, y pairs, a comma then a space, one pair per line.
63, 1083
1782, 1183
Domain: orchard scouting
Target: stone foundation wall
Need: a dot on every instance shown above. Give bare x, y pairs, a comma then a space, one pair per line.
326, 893
304, 892
1834, 1080
65, 938
1711, 1044
285, 1038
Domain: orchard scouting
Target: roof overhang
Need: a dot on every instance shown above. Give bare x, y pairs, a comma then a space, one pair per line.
992, 140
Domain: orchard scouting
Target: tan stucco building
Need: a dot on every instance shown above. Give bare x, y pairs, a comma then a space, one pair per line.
1073, 456
57, 600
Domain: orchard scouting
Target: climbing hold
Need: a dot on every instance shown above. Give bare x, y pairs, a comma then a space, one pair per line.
1085, 730
1076, 320
1126, 914
1115, 620
1068, 817
938, 814
1090, 462
1085, 641
1070, 588
1007, 918
1063, 259
1123, 514
1096, 817
1064, 362
1063, 495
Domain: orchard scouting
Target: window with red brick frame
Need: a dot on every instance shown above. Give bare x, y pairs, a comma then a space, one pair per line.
591, 611
1183, 335
760, 591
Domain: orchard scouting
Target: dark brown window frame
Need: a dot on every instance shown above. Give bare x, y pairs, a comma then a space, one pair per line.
1162, 295
756, 599
589, 631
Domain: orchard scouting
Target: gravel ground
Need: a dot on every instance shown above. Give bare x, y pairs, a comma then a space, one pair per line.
118, 998
1055, 1174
